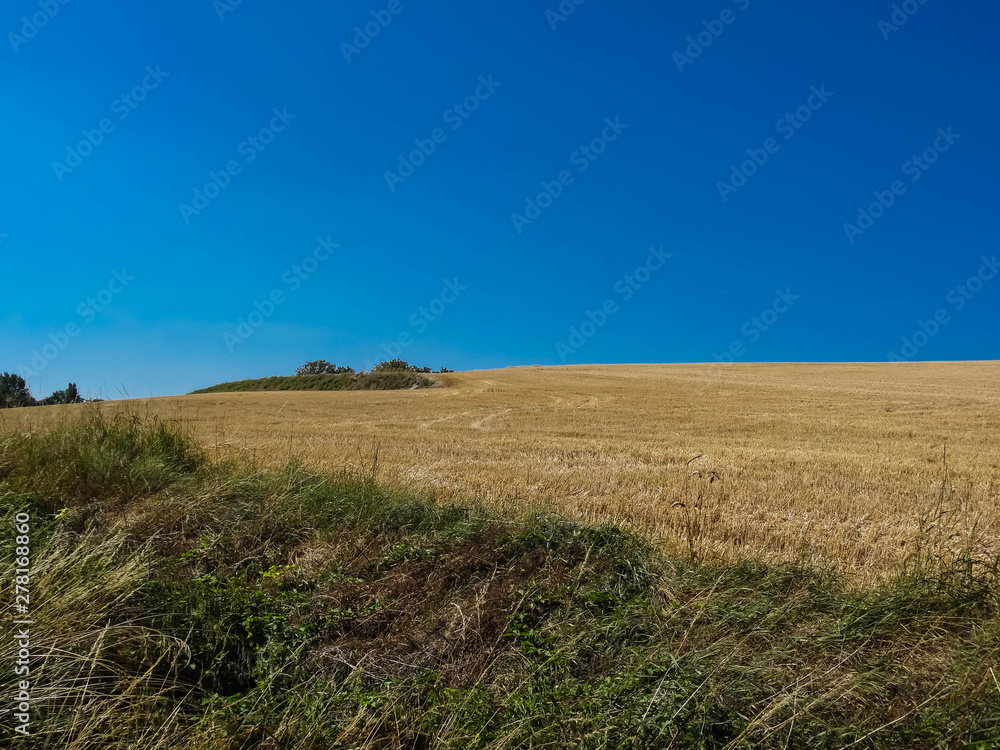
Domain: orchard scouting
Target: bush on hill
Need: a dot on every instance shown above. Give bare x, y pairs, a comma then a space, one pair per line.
322, 367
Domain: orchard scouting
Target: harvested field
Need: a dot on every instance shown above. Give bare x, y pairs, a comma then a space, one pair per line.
838, 462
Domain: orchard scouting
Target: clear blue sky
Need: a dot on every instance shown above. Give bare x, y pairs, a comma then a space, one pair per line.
180, 93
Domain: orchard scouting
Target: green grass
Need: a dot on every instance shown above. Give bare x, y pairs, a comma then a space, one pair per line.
363, 381
184, 603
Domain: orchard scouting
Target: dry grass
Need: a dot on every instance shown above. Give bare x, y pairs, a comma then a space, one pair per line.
835, 462
231, 608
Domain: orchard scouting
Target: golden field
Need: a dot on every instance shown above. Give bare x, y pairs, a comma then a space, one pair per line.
834, 462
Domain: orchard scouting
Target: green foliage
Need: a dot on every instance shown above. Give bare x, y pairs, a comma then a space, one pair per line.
14, 391
70, 396
392, 365
322, 367
398, 365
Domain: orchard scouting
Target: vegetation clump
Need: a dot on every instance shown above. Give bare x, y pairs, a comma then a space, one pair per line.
322, 367
321, 375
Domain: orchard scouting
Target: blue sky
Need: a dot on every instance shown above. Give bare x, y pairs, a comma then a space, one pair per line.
706, 221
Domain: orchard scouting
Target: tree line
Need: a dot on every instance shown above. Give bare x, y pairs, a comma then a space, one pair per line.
14, 392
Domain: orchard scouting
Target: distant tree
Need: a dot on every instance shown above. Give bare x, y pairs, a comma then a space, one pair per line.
445, 369
316, 367
322, 367
393, 365
14, 391
70, 396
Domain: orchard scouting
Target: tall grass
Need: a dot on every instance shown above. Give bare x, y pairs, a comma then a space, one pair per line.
181, 602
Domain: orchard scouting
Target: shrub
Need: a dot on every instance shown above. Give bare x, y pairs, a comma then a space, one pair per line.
392, 365
322, 367
399, 365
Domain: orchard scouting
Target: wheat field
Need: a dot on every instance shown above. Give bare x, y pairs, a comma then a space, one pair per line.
842, 463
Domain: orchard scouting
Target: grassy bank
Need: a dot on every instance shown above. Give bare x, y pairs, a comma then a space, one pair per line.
179, 602
359, 381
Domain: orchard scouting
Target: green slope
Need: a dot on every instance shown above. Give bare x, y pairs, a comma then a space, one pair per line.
373, 381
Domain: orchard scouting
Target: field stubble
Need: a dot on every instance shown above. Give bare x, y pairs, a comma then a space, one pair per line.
823, 462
